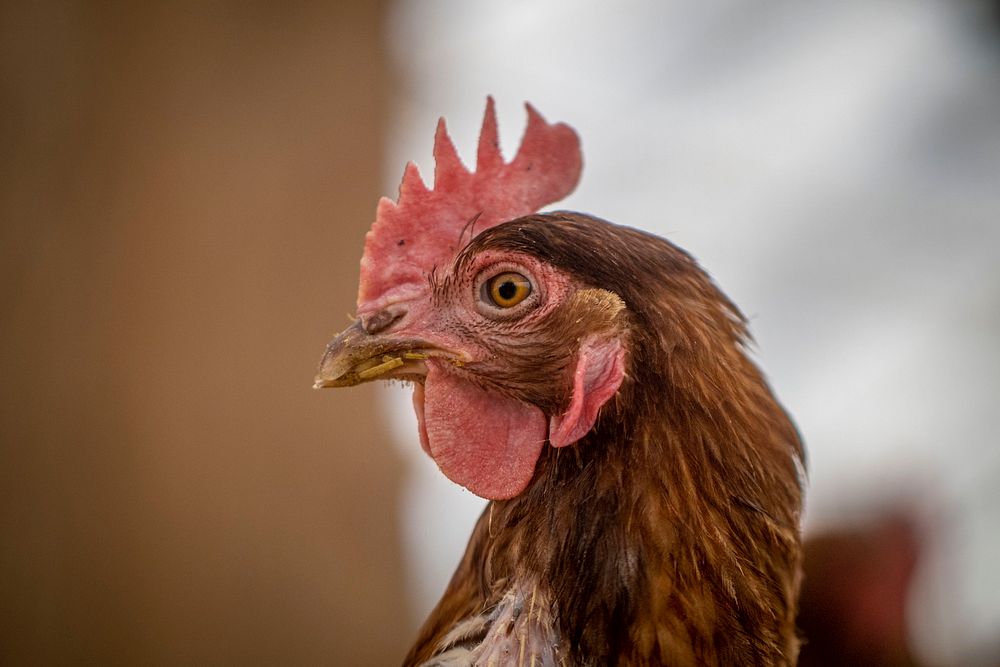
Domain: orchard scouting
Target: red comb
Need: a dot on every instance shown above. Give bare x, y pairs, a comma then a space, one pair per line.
424, 228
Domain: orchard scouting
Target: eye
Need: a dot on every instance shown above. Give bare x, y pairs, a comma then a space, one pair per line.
507, 289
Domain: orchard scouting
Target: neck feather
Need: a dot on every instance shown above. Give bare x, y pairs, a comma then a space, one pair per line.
671, 531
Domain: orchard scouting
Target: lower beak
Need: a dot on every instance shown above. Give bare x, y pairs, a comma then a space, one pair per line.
355, 356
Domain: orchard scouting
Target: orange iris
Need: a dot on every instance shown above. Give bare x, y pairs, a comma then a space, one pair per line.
508, 289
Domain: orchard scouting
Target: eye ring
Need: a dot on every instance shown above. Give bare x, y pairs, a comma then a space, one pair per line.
507, 289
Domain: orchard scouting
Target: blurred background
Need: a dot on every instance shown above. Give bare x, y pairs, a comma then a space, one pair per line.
184, 192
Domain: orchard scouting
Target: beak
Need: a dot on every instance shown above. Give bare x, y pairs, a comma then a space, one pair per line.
356, 356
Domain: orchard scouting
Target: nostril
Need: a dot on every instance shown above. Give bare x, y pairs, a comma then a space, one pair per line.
381, 320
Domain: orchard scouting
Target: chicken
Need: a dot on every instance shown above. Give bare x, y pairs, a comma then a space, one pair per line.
592, 382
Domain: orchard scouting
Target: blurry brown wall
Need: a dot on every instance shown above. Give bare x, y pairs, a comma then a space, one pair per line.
184, 194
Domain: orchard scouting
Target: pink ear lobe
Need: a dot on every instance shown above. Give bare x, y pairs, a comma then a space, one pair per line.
600, 369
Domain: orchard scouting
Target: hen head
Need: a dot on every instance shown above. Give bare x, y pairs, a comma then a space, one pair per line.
507, 349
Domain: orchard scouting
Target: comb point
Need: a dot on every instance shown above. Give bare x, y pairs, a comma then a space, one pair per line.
385, 205
534, 118
533, 133
488, 156
412, 184
448, 167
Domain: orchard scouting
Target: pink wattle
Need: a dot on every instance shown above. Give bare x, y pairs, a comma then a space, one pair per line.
485, 441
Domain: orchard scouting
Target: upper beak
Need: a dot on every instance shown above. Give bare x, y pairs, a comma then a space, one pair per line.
356, 356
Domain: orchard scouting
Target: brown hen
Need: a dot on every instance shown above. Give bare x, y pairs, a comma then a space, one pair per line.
592, 382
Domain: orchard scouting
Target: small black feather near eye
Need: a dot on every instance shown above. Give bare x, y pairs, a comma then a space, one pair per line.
507, 289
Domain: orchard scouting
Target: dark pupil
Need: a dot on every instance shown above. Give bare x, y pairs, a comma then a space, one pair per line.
507, 290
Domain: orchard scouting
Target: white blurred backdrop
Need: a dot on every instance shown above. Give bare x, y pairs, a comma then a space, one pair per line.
836, 168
